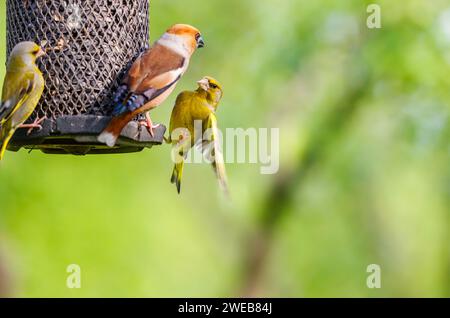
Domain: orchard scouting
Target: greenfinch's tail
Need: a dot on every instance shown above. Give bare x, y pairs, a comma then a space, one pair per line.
219, 169
177, 175
4, 141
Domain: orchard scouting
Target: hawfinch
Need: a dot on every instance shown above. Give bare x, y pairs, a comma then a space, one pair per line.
22, 90
152, 78
197, 106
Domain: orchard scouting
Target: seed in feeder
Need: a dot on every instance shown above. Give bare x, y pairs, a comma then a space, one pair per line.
58, 17
74, 21
60, 45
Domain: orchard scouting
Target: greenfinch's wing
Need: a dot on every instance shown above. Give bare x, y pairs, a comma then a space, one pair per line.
16, 88
217, 155
180, 112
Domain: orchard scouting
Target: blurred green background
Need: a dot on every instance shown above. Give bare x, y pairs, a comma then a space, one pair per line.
364, 178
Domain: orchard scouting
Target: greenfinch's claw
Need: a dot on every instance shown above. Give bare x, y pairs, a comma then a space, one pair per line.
35, 125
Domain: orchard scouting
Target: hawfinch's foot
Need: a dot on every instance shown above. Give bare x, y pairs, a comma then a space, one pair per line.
35, 125
149, 125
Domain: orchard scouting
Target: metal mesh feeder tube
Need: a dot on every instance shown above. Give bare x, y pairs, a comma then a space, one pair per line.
90, 45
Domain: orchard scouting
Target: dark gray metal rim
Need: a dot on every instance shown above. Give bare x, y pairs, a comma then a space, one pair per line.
77, 135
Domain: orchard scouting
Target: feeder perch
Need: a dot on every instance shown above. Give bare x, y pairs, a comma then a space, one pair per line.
90, 45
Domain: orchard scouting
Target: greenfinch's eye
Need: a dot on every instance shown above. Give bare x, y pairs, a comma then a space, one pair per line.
213, 86
35, 52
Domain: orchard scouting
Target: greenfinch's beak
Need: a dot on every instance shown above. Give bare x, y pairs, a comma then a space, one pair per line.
204, 84
41, 53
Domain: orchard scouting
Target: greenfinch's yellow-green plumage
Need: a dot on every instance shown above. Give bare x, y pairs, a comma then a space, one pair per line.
22, 90
200, 105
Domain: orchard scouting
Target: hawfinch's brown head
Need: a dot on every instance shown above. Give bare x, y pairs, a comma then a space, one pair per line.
183, 38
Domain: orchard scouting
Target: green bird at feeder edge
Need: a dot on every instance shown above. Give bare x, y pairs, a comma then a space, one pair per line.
22, 89
191, 107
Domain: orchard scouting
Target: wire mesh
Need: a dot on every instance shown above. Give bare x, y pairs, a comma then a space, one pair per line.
90, 43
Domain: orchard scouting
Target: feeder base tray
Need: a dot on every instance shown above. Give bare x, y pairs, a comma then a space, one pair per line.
77, 135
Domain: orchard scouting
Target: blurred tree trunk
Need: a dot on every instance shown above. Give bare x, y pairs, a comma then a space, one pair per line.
287, 184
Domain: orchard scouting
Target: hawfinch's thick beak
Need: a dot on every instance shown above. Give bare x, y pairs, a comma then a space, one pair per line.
200, 42
204, 84
41, 53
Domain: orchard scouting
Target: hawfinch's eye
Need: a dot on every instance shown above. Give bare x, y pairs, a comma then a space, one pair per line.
197, 36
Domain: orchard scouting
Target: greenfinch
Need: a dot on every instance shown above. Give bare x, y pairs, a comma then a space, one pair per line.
197, 107
152, 78
22, 90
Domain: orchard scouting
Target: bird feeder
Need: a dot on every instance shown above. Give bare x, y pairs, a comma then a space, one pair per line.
90, 45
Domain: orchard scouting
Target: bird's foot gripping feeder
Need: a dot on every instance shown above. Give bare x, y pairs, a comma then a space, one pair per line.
90, 44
